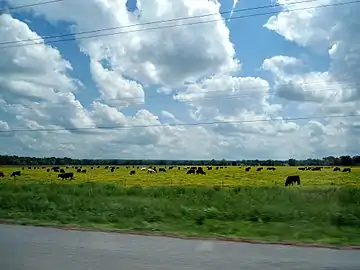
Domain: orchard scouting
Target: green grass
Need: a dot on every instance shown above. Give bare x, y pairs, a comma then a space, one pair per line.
231, 176
328, 215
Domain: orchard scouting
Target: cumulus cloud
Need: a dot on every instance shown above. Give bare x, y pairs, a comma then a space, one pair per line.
198, 63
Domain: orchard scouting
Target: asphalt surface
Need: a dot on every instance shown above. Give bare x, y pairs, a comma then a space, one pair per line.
34, 248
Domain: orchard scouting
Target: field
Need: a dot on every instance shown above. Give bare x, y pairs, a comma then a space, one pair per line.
227, 202
226, 177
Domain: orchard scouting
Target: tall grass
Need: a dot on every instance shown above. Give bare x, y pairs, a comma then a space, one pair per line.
306, 214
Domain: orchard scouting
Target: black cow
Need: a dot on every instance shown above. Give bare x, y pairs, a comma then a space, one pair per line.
112, 169
83, 171
62, 171
191, 171
55, 168
132, 172
178, 168
66, 175
78, 170
316, 169
16, 173
346, 170
301, 169
271, 169
259, 169
247, 169
200, 171
2, 174
290, 180
162, 170
337, 169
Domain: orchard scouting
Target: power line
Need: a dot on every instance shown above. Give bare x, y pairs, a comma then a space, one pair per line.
152, 22
184, 124
178, 25
198, 95
30, 5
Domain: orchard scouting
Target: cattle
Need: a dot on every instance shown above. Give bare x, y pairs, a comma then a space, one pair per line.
337, 169
151, 171
346, 170
301, 169
171, 167
83, 171
316, 169
179, 168
143, 169
92, 168
216, 168
29, 168
16, 173
271, 169
132, 172
78, 170
290, 180
209, 168
106, 167
2, 174
55, 168
162, 170
112, 169
23, 168
200, 171
66, 175
259, 169
48, 170
247, 169
62, 171
191, 171
155, 169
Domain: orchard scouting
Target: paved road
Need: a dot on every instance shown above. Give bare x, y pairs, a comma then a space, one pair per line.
34, 248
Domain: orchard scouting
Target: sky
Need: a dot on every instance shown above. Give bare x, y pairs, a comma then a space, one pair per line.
271, 86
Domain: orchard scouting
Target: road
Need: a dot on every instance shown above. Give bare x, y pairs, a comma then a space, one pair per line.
34, 248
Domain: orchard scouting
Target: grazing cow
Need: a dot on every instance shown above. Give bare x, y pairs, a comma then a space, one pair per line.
200, 171
151, 171
48, 170
247, 169
316, 169
119, 168
337, 169
78, 170
179, 168
143, 169
155, 169
55, 168
29, 168
16, 173
259, 169
112, 169
171, 167
191, 171
301, 169
62, 171
2, 174
76, 167
216, 168
346, 170
132, 172
209, 168
92, 168
98, 167
106, 167
66, 175
83, 171
162, 170
290, 180
271, 169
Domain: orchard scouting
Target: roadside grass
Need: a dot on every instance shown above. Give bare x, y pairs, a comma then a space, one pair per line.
329, 215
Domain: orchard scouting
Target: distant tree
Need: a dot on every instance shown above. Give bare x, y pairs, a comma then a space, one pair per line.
292, 162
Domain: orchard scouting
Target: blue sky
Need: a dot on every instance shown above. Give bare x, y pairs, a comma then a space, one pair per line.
253, 44
205, 55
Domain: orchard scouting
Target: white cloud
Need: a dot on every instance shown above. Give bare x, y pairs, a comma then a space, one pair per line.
198, 62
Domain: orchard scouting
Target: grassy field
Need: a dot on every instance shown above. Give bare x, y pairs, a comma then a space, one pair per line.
226, 177
255, 205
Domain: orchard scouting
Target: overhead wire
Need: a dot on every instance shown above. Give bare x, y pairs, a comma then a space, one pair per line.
179, 124
30, 5
179, 25
153, 22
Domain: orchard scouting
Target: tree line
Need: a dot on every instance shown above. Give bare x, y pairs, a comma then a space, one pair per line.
326, 161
